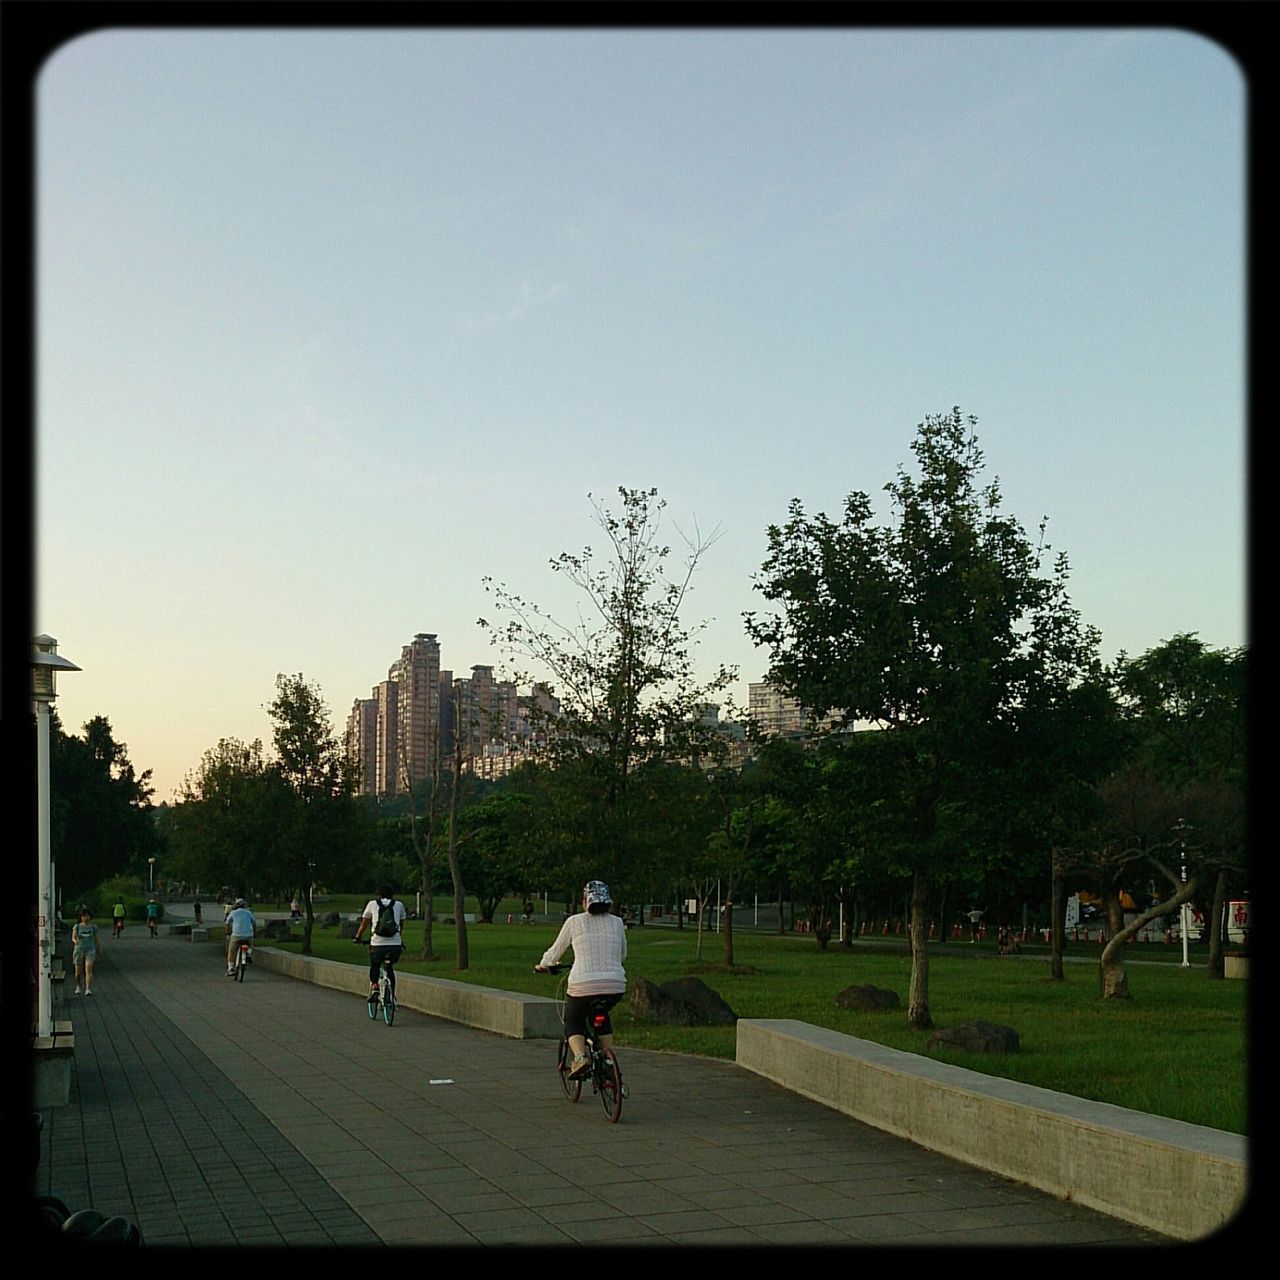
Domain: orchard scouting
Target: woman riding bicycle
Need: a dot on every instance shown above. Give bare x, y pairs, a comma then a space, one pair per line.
599, 942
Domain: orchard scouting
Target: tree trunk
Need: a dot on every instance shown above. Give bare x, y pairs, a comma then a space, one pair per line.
455, 870
1113, 981
918, 995
782, 928
1215, 925
728, 926
1058, 917
311, 919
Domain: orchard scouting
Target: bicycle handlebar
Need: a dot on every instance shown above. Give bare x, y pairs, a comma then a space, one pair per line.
550, 968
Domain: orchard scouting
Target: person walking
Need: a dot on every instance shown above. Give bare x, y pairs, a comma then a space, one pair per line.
384, 915
240, 926
195, 907
153, 916
599, 942
84, 949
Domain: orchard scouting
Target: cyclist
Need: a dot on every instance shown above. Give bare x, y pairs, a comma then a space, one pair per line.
153, 916
599, 942
384, 915
117, 917
240, 924
84, 949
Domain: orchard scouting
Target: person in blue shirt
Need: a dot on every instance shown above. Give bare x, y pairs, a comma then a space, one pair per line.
240, 925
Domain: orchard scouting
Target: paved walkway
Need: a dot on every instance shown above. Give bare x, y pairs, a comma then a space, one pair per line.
274, 1112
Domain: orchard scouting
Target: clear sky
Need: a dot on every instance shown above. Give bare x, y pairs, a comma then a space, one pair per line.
331, 324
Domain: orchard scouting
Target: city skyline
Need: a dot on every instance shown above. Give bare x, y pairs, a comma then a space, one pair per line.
331, 325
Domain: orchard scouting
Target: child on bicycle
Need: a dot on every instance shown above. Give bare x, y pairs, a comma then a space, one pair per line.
599, 942
384, 915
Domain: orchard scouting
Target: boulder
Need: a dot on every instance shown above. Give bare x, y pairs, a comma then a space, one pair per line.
976, 1037
277, 930
869, 998
329, 919
683, 1002
347, 929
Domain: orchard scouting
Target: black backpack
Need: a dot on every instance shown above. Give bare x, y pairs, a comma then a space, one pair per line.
386, 926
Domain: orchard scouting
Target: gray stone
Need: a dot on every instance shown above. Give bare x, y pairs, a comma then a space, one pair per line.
868, 998
329, 919
277, 930
683, 1002
347, 929
976, 1037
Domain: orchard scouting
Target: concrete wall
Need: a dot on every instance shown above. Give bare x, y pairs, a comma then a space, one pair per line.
1180, 1179
508, 1013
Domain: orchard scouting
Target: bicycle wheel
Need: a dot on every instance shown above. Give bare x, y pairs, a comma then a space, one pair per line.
572, 1088
388, 1006
241, 966
373, 1004
608, 1079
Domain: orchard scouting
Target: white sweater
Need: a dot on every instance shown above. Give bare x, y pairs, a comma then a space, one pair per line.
599, 947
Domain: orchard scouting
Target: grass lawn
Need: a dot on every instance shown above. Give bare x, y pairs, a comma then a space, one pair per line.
1177, 1048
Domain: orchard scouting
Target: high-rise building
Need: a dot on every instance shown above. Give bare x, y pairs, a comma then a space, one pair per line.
776, 714
421, 708
387, 753
485, 710
362, 743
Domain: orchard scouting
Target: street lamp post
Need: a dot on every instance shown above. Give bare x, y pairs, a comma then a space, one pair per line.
45, 662
151, 873
1182, 826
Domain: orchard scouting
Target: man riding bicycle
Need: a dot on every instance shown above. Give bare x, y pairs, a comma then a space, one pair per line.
384, 915
599, 942
240, 923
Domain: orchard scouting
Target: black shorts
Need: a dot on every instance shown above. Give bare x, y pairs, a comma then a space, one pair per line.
576, 1009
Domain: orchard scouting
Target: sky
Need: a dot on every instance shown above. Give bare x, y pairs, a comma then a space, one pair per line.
333, 324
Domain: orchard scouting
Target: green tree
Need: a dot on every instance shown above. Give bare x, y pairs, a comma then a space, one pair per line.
330, 835
495, 861
233, 813
1186, 704
936, 628
623, 674
101, 820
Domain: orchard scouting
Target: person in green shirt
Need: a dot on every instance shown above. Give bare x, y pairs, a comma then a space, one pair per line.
117, 917
153, 916
84, 949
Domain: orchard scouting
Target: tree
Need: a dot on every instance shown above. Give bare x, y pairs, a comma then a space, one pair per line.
495, 860
937, 629
1186, 705
233, 812
623, 674
330, 834
101, 819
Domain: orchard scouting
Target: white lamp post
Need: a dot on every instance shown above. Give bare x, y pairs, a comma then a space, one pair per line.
1182, 826
151, 873
44, 664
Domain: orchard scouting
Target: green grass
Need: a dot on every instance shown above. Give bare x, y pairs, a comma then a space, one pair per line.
1177, 1048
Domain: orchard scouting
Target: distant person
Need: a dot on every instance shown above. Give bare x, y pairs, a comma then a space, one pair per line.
240, 926
153, 916
599, 942
295, 909
384, 915
84, 949
117, 917
195, 906
527, 915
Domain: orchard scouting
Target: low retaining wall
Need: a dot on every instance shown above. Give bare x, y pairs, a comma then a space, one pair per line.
508, 1013
1183, 1180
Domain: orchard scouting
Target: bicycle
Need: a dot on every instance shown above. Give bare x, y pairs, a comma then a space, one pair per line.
152, 926
384, 997
242, 960
117, 926
605, 1074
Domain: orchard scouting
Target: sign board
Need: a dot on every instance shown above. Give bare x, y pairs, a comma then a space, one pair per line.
1237, 920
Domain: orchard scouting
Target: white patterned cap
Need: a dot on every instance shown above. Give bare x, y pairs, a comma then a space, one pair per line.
595, 891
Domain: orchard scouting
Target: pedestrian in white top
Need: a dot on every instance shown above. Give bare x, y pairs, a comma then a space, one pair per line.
599, 942
384, 915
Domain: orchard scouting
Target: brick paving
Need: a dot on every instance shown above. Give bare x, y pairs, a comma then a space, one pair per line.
274, 1112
